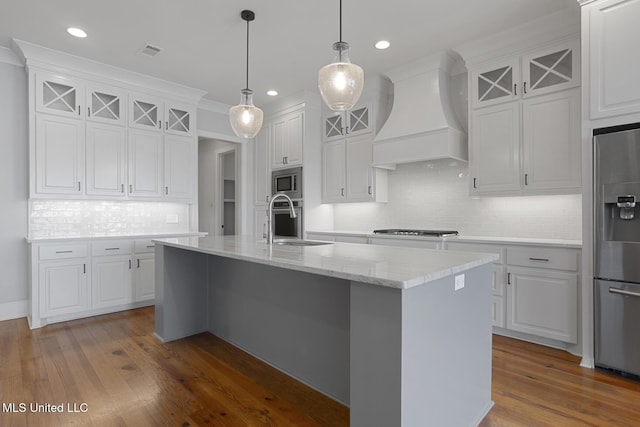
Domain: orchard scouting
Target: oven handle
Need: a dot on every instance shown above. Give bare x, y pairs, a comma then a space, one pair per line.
623, 292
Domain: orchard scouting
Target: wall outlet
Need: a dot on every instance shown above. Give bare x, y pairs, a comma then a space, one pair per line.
172, 219
459, 282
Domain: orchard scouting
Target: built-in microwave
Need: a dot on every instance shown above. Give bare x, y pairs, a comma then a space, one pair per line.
288, 181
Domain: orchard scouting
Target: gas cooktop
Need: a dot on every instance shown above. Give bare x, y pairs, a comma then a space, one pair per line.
404, 232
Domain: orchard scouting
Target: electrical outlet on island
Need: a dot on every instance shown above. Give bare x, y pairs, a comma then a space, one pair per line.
172, 219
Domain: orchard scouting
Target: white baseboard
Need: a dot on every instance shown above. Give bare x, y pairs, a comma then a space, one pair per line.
14, 309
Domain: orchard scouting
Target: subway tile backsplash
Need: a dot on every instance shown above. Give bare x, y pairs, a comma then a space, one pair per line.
92, 218
436, 195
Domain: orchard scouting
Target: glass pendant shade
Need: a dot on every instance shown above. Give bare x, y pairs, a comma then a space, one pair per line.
246, 118
341, 82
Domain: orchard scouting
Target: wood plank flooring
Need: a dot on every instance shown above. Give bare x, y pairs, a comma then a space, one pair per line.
125, 377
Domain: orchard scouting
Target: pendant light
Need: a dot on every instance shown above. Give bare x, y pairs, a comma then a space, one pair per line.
341, 82
246, 118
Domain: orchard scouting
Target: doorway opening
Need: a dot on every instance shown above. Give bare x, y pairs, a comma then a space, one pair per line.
218, 187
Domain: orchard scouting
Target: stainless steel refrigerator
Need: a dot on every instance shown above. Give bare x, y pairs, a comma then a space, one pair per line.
617, 248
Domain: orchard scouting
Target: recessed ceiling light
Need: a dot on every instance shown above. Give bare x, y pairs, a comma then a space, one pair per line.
272, 92
76, 32
382, 44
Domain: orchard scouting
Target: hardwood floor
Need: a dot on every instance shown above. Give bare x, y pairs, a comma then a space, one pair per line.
125, 377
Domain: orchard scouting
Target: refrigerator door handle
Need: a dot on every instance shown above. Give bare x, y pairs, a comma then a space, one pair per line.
623, 292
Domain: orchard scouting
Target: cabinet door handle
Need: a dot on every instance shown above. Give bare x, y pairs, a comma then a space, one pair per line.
369, 190
508, 278
266, 199
129, 264
64, 252
474, 183
524, 85
526, 179
346, 129
88, 111
130, 188
111, 249
166, 125
151, 246
342, 191
515, 88
78, 185
159, 124
122, 187
539, 259
623, 292
84, 268
138, 262
166, 191
78, 110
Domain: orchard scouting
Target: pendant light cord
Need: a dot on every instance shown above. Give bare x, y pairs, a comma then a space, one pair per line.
247, 74
340, 20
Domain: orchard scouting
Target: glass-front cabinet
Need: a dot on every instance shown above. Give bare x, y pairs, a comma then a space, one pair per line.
58, 95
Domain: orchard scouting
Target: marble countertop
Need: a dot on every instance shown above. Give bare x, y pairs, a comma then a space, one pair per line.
575, 244
395, 267
112, 237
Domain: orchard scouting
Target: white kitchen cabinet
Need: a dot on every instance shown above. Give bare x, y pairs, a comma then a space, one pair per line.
287, 132
494, 161
551, 141
348, 174
527, 147
542, 292
262, 166
59, 155
549, 69
145, 163
334, 171
63, 287
145, 112
178, 118
180, 162
144, 280
543, 303
105, 104
611, 35
111, 281
59, 95
106, 160
354, 122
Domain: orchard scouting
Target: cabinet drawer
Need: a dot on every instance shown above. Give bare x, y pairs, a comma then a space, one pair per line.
559, 259
144, 246
111, 247
62, 251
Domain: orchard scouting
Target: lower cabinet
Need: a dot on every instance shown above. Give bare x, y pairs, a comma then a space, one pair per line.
63, 287
83, 279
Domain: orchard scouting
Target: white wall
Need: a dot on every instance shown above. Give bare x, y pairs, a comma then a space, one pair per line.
435, 195
14, 170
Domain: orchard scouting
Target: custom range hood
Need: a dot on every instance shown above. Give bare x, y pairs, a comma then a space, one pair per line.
429, 105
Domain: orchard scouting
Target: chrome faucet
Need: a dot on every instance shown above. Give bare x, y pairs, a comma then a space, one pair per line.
292, 214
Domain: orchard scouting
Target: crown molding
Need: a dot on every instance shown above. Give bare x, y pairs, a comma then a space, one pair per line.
9, 57
213, 106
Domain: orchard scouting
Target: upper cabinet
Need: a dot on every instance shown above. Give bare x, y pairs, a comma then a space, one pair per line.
610, 36
287, 132
59, 95
525, 124
546, 70
348, 123
93, 140
105, 104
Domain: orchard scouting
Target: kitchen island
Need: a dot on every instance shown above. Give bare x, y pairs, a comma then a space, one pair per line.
400, 335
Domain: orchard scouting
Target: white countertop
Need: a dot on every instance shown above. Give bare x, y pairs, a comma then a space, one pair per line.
395, 267
111, 237
575, 244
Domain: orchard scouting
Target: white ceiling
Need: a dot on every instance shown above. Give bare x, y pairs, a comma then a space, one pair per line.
203, 41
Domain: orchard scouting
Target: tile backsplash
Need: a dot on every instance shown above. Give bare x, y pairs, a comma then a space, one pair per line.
87, 218
435, 195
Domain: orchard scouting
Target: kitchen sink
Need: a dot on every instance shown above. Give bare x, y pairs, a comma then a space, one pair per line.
299, 242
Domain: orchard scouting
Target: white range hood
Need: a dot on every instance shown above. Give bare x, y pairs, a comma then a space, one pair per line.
423, 124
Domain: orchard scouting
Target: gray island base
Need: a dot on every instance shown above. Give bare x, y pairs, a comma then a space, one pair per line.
384, 330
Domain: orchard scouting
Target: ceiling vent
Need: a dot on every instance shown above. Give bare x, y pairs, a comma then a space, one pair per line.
150, 50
